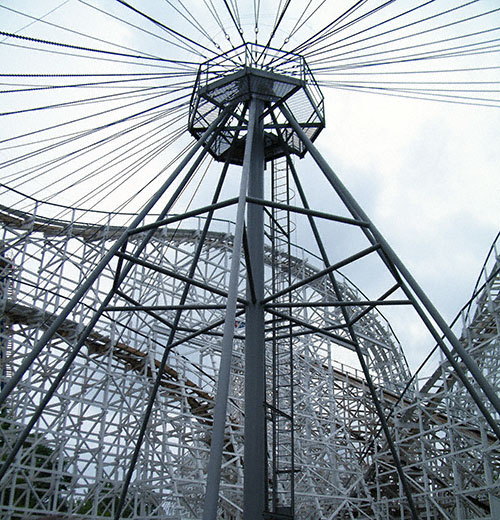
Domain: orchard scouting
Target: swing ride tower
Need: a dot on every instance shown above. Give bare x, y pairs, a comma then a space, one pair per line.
252, 84
194, 373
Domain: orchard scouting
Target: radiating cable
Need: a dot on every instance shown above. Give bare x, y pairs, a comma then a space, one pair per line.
166, 28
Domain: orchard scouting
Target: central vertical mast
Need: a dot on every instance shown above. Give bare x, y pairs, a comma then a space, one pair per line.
252, 84
254, 453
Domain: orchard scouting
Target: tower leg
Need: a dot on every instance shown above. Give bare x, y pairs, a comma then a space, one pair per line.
254, 452
224, 376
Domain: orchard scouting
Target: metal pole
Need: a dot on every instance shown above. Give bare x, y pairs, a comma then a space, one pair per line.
357, 212
254, 488
168, 348
221, 397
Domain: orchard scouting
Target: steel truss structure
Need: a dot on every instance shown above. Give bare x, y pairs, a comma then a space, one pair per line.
184, 366
449, 452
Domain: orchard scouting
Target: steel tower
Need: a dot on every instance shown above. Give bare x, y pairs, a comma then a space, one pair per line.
213, 330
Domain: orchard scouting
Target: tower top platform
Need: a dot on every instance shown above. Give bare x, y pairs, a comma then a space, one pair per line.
278, 78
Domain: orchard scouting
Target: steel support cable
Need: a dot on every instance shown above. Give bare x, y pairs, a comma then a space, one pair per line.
85, 286
213, 11
54, 219
341, 76
37, 142
360, 83
335, 28
117, 83
186, 213
175, 136
320, 35
433, 29
86, 75
147, 94
277, 9
179, 156
485, 102
84, 101
239, 30
47, 167
277, 23
412, 290
78, 120
323, 61
188, 16
141, 29
419, 93
299, 23
95, 58
72, 31
166, 28
396, 73
236, 11
379, 24
418, 57
40, 18
86, 133
124, 85
256, 13
105, 189
122, 148
111, 180
459, 51
168, 165
91, 50
430, 94
327, 49
336, 57
17, 88
120, 178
